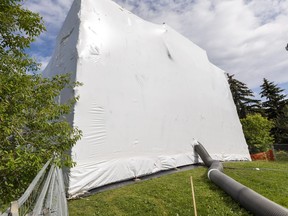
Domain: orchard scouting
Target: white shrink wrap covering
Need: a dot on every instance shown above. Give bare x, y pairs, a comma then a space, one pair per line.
147, 93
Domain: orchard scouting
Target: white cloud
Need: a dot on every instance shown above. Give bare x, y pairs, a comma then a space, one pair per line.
246, 38
53, 13
44, 61
243, 37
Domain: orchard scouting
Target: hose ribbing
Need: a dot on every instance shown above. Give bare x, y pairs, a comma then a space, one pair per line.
248, 198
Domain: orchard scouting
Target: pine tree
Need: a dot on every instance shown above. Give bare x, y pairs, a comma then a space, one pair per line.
275, 99
275, 108
281, 127
243, 97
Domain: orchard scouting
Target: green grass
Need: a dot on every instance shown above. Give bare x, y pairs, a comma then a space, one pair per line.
171, 194
281, 155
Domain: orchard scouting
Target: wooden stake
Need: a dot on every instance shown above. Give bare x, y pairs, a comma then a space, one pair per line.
14, 208
193, 196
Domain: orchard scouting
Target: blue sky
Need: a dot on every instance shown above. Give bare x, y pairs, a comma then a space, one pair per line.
243, 37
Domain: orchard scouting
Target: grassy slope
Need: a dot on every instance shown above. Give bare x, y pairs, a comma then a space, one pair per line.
270, 181
171, 194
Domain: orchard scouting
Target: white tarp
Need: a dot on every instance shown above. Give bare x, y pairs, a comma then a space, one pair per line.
148, 91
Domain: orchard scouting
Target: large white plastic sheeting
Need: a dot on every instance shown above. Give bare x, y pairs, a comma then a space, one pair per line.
148, 91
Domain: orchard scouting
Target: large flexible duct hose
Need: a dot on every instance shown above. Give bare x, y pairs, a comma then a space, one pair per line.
249, 199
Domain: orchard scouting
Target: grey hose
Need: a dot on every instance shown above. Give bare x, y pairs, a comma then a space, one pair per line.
249, 199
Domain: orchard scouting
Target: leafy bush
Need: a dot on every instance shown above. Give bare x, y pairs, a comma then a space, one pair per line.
281, 155
257, 133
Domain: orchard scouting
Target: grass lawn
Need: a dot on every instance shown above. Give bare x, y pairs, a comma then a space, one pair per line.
171, 194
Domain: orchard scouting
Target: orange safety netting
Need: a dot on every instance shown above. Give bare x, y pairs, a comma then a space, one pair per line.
263, 156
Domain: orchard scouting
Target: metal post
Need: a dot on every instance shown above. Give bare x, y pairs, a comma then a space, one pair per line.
274, 154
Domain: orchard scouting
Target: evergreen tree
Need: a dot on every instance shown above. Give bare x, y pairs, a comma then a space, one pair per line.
243, 97
275, 99
281, 127
32, 125
275, 108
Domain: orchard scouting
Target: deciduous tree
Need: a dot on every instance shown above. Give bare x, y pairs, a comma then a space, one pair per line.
257, 132
33, 127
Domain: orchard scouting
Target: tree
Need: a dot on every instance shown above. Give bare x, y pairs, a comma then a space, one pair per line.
275, 100
33, 126
18, 29
281, 127
242, 97
275, 110
257, 132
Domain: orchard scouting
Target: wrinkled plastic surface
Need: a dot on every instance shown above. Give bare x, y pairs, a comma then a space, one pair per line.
148, 91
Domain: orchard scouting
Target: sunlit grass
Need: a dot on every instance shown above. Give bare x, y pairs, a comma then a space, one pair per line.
171, 194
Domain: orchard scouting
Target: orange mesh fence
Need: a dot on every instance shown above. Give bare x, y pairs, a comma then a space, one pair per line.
263, 156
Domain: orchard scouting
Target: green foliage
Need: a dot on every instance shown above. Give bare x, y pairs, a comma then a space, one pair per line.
18, 29
33, 129
242, 97
280, 130
33, 126
257, 132
275, 108
171, 194
275, 100
281, 156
